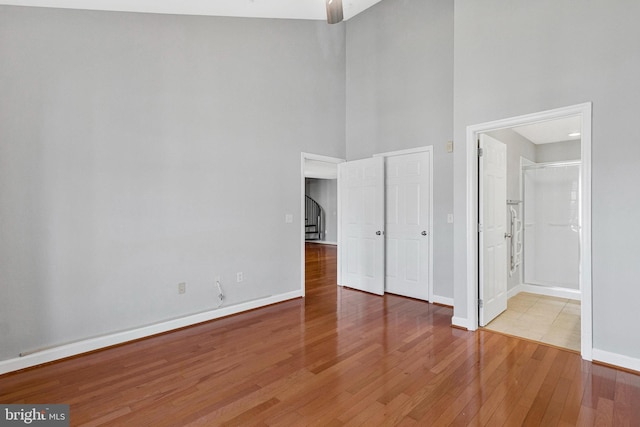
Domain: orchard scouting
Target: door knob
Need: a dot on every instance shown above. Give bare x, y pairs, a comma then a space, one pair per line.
507, 235
378, 233
424, 233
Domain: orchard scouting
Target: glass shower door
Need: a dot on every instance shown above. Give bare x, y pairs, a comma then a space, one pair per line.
551, 224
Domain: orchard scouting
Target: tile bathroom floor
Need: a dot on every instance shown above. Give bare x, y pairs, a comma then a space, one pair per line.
550, 320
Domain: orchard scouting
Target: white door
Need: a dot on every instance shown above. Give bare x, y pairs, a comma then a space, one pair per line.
493, 229
361, 234
407, 224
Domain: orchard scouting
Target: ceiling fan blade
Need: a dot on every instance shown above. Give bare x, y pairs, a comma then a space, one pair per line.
334, 11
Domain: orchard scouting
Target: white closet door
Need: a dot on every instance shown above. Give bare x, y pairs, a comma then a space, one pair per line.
407, 224
493, 229
361, 235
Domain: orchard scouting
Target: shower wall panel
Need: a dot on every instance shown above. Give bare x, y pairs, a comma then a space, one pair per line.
551, 225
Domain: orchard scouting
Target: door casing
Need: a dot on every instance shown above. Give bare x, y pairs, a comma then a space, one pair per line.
471, 214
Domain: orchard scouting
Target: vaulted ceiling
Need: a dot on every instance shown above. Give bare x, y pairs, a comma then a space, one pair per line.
287, 9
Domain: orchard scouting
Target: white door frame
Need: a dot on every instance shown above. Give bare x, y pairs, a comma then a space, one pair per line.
303, 158
428, 149
471, 191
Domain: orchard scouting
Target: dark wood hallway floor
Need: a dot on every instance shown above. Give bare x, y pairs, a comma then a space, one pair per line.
336, 357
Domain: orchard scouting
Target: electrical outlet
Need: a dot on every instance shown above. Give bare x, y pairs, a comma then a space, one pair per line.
239, 277
450, 218
182, 287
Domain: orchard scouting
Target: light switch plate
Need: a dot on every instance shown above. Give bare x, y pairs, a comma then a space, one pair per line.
449, 146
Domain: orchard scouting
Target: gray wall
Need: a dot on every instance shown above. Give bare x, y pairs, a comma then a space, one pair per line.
325, 192
399, 95
137, 152
558, 151
519, 57
131, 145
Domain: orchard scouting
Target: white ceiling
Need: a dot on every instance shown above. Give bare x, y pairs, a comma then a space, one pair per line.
551, 131
288, 9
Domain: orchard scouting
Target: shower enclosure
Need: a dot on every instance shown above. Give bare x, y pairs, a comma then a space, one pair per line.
551, 232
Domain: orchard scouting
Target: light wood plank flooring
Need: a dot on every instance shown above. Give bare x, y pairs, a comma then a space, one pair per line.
336, 357
550, 320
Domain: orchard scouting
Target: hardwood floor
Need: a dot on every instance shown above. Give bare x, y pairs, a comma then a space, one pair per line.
336, 357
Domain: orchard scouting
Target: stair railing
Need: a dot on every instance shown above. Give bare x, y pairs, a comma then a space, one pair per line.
314, 224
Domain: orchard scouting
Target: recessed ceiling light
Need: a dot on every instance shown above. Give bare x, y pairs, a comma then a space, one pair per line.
572, 134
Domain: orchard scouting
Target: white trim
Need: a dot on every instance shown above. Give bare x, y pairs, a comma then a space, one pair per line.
535, 165
91, 344
584, 110
322, 242
304, 156
321, 158
437, 299
427, 149
616, 359
514, 291
586, 324
407, 151
523, 162
550, 291
461, 322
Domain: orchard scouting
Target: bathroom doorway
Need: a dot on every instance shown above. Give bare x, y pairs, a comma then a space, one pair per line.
549, 297
542, 232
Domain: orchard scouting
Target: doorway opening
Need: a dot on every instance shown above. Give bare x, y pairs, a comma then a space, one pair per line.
540, 233
321, 210
530, 236
319, 176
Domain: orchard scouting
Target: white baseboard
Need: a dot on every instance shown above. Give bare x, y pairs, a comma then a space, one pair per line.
91, 344
545, 290
442, 300
461, 322
322, 242
616, 359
